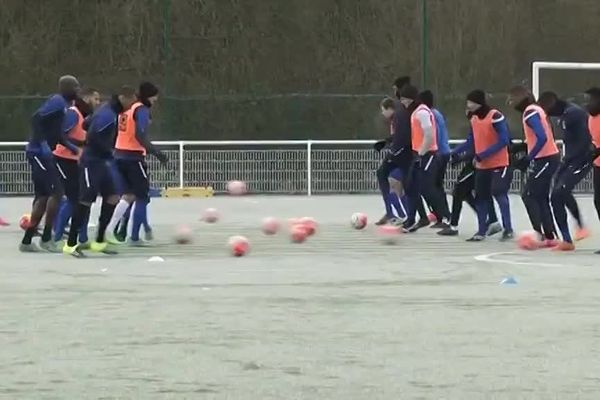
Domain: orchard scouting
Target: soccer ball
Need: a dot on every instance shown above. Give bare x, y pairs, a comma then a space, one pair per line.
236, 188
211, 215
238, 245
270, 226
183, 235
358, 220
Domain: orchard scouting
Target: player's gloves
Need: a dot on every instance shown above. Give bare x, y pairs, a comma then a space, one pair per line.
522, 163
378, 146
162, 157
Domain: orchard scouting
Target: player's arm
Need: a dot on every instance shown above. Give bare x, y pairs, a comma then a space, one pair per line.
101, 139
534, 121
69, 122
142, 123
423, 117
501, 127
467, 147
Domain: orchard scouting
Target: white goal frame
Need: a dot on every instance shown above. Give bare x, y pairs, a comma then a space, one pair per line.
537, 66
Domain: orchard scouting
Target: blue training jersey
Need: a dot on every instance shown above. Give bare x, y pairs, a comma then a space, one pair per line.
46, 125
101, 132
442, 132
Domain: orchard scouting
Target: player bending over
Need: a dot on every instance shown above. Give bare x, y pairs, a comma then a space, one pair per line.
131, 147
575, 165
47, 124
397, 155
95, 171
541, 163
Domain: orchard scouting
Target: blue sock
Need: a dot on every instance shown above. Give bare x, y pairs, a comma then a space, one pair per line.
145, 223
482, 208
83, 232
64, 214
137, 218
504, 205
396, 202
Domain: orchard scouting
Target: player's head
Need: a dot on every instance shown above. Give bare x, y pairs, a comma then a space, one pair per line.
148, 93
91, 97
399, 84
476, 101
388, 107
68, 87
127, 96
426, 97
593, 104
408, 96
520, 97
551, 103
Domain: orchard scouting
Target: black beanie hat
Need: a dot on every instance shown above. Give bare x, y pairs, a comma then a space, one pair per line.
409, 92
477, 96
147, 90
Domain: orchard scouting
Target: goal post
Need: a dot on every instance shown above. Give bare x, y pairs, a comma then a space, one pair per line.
537, 66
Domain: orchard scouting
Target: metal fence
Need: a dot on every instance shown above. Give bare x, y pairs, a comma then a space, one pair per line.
269, 167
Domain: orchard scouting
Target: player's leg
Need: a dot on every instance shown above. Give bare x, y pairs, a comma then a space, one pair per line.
531, 193
110, 198
42, 187
561, 192
411, 185
442, 160
582, 231
121, 174
397, 197
69, 173
123, 226
542, 194
383, 172
501, 181
52, 206
141, 190
88, 191
428, 177
463, 189
148, 232
483, 197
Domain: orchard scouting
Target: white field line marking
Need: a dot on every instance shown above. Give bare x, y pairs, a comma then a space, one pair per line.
489, 258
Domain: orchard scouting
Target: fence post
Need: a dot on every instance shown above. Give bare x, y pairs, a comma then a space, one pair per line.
181, 164
309, 166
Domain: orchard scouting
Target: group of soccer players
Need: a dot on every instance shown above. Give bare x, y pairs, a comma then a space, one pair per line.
80, 149
415, 155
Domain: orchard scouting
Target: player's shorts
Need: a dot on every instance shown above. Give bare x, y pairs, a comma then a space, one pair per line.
539, 176
68, 170
117, 178
45, 176
135, 177
96, 178
569, 175
492, 182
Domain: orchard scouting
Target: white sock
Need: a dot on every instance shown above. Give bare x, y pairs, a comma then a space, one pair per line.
120, 210
130, 224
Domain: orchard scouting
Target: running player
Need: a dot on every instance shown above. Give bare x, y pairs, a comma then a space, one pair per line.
46, 123
574, 167
464, 186
397, 156
593, 108
95, 171
541, 162
490, 139
426, 165
131, 147
67, 163
426, 97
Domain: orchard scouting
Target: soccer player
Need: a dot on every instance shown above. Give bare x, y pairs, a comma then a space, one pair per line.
575, 165
95, 171
464, 186
426, 164
593, 108
541, 163
396, 161
67, 163
46, 124
490, 139
426, 97
131, 147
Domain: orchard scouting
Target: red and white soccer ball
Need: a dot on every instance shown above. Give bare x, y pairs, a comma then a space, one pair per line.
270, 226
238, 245
25, 221
529, 240
298, 233
237, 188
432, 218
389, 234
310, 225
183, 235
211, 215
359, 220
